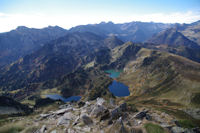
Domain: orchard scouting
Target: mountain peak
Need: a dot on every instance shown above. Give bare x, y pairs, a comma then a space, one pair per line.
172, 37
54, 27
20, 28
109, 22
112, 41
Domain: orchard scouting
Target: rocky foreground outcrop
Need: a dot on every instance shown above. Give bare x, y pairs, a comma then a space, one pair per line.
102, 116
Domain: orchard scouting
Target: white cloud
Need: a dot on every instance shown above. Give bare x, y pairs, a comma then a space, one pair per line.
11, 21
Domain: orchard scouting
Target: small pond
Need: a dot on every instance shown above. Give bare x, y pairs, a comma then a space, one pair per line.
59, 97
113, 73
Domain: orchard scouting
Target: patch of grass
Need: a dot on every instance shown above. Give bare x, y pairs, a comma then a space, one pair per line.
28, 102
49, 91
31, 129
132, 107
186, 123
153, 128
12, 128
174, 112
150, 101
169, 103
179, 114
2, 121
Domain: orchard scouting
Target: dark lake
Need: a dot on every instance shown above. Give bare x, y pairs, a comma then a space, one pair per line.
58, 97
117, 88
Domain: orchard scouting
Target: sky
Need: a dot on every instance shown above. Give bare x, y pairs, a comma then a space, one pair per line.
70, 13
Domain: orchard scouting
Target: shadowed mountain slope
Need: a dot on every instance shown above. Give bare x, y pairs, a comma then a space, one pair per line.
21, 41
54, 60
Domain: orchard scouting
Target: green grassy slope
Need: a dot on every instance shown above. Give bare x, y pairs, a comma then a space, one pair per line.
162, 77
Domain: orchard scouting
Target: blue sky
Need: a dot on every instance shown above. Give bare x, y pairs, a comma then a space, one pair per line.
68, 13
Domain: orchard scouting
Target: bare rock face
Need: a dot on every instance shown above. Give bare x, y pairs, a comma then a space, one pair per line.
63, 121
177, 129
66, 118
195, 113
62, 111
118, 127
54, 131
117, 112
142, 114
87, 120
100, 101
98, 109
105, 115
43, 129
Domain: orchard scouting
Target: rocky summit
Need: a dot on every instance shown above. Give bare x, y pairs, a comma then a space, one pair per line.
100, 116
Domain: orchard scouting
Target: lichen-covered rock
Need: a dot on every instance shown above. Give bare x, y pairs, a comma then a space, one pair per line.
66, 118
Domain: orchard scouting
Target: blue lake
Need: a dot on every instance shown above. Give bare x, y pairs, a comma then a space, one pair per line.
58, 97
117, 88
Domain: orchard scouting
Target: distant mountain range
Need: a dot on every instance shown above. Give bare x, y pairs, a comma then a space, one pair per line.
72, 61
21, 41
133, 31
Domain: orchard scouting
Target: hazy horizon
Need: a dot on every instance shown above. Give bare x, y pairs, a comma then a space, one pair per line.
67, 14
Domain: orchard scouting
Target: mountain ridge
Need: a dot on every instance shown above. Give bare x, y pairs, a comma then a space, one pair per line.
21, 41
